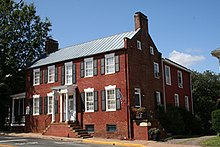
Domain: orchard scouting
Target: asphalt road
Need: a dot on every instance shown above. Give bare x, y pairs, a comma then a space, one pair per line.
13, 141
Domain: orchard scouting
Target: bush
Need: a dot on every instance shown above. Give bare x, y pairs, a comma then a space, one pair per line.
172, 121
192, 124
216, 121
178, 121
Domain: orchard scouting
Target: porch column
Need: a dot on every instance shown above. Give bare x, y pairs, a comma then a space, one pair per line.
61, 107
13, 109
74, 105
67, 107
53, 108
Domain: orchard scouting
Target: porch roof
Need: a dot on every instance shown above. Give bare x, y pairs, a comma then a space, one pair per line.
18, 96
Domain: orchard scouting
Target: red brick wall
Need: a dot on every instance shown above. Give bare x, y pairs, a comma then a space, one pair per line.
141, 71
140, 132
99, 119
172, 89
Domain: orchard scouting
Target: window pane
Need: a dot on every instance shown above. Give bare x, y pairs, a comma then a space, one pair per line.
50, 98
111, 102
51, 74
89, 68
110, 66
111, 128
137, 100
36, 105
68, 74
89, 101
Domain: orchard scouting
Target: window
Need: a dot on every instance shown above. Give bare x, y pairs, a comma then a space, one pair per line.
176, 99
68, 73
158, 98
138, 44
89, 100
90, 128
110, 98
156, 70
110, 63
36, 102
187, 103
50, 104
180, 79
137, 93
36, 75
88, 67
167, 75
151, 50
51, 74
111, 128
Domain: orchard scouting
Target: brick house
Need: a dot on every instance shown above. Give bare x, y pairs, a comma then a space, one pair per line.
98, 86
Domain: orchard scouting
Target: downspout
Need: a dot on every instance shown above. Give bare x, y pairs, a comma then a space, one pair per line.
164, 92
191, 92
127, 89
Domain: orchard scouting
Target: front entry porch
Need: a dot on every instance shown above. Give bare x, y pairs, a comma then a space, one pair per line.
67, 102
18, 112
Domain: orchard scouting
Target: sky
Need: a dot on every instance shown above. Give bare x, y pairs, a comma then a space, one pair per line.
185, 31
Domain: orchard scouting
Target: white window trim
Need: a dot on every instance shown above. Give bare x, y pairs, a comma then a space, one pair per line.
51, 68
157, 75
187, 103
51, 94
71, 81
177, 101
34, 72
88, 60
139, 93
168, 82
151, 50
36, 97
158, 102
139, 44
109, 56
180, 85
110, 87
88, 90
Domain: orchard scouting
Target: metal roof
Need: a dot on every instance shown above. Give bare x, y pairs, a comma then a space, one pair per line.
86, 49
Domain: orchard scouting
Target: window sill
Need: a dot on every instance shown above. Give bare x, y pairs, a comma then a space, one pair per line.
88, 76
36, 114
111, 110
109, 73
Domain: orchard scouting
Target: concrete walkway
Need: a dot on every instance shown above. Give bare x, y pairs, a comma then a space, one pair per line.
95, 140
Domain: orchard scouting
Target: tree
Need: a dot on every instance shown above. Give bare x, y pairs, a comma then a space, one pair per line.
206, 91
216, 121
22, 37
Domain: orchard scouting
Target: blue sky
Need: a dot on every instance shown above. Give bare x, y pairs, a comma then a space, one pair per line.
183, 30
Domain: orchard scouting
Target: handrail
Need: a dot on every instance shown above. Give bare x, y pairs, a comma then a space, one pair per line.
46, 125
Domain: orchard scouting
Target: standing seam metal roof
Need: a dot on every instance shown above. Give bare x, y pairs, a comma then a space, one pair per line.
86, 49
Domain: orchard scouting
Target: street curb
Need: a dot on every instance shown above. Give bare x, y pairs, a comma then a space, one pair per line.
112, 143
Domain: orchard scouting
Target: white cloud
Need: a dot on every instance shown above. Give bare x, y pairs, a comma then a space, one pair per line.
185, 59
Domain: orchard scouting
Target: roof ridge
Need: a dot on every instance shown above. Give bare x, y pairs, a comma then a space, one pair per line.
96, 39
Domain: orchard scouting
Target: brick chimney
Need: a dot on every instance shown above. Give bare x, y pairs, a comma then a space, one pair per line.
51, 46
141, 22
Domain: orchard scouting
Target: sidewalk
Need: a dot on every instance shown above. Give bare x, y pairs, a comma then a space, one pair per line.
95, 140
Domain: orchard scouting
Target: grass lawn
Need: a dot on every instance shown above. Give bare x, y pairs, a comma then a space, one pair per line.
212, 142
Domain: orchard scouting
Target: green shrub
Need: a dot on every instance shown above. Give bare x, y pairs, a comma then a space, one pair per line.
216, 121
192, 124
178, 121
172, 120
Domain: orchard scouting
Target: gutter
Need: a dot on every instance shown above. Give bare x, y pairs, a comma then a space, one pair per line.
127, 89
164, 92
